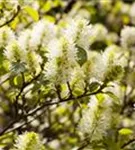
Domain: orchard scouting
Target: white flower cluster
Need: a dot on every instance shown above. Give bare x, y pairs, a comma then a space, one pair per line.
6, 36
80, 32
64, 62
127, 37
25, 48
62, 51
94, 123
59, 49
28, 141
95, 67
99, 33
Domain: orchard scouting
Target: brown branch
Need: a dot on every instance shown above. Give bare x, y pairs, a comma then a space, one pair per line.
129, 142
46, 104
69, 6
13, 17
25, 123
8, 127
17, 97
24, 85
65, 100
70, 90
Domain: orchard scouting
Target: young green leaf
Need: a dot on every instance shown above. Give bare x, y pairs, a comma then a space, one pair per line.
125, 131
81, 56
32, 12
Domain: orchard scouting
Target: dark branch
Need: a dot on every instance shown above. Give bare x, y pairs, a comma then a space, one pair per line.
129, 142
46, 104
13, 17
67, 9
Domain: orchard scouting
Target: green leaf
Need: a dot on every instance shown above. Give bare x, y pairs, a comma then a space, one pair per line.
17, 81
32, 12
94, 86
14, 23
125, 131
50, 18
77, 92
113, 96
100, 97
47, 7
81, 56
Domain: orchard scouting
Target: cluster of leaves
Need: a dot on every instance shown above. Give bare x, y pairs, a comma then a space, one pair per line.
67, 73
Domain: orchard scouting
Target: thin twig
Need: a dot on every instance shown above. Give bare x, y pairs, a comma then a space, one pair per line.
46, 104
13, 17
129, 142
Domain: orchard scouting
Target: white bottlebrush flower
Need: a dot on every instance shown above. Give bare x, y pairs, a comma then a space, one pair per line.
114, 63
78, 74
99, 33
49, 33
54, 51
89, 116
94, 123
23, 39
33, 61
13, 52
115, 55
95, 67
127, 37
102, 125
54, 48
99, 67
37, 34
62, 64
79, 31
84, 39
28, 141
51, 70
6, 36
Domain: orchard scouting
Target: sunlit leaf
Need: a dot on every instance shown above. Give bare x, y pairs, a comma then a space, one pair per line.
32, 12
94, 86
125, 131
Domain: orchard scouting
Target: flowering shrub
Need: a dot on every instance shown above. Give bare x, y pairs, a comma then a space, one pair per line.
67, 78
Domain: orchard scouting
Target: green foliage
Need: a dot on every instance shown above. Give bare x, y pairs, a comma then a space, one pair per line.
125, 131
82, 56
32, 12
67, 75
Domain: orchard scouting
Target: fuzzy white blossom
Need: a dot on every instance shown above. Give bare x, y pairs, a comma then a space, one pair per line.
33, 61
60, 67
95, 67
6, 36
127, 37
23, 39
37, 34
89, 116
95, 123
28, 141
42, 33
99, 33
13, 52
54, 48
80, 32
114, 54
